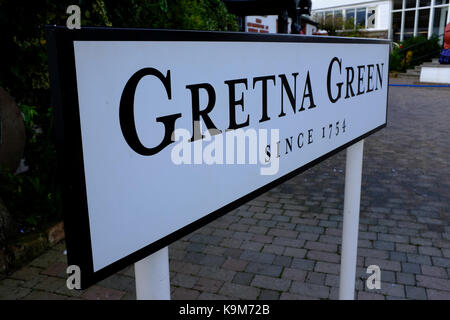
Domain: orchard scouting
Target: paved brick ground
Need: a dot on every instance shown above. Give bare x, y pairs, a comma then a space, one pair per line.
286, 243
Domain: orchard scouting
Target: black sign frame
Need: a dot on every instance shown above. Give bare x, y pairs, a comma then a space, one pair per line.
69, 145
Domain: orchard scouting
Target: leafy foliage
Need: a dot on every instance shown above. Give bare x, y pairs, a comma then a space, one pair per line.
413, 51
33, 196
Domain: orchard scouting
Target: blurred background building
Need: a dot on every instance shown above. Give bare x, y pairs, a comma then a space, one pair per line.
393, 19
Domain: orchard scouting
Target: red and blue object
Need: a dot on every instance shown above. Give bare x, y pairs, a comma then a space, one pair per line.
445, 54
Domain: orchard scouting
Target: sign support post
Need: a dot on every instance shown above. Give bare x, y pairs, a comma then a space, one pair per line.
352, 197
152, 276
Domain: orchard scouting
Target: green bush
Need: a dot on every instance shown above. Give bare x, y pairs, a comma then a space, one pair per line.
33, 197
414, 51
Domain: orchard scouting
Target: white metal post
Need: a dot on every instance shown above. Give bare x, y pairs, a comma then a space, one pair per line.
152, 276
402, 23
431, 21
352, 197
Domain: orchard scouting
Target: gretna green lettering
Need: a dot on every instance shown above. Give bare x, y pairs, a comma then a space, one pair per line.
358, 80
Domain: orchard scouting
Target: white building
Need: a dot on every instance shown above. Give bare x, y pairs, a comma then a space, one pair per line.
393, 19
269, 24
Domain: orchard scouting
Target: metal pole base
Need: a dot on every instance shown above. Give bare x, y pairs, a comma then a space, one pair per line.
152, 276
352, 197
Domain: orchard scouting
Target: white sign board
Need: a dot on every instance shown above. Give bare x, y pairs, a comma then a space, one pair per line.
163, 131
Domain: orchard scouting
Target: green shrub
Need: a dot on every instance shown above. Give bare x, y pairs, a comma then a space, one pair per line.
33, 197
414, 51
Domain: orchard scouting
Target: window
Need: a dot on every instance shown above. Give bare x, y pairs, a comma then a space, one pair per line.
361, 17
410, 4
409, 24
424, 3
349, 19
438, 2
328, 17
338, 19
396, 25
424, 18
440, 21
397, 4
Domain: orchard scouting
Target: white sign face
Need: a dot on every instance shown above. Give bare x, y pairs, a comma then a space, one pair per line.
172, 131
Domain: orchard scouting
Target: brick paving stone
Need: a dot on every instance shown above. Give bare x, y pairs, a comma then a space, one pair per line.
433, 283
291, 296
184, 294
239, 291
406, 278
309, 289
195, 247
308, 236
251, 245
100, 293
391, 289
330, 239
294, 274
283, 233
446, 253
239, 235
415, 293
235, 264
183, 280
310, 229
419, 259
364, 295
383, 245
260, 257
270, 248
438, 295
26, 273
441, 262
323, 256
184, 267
294, 252
215, 273
232, 253
433, 271
51, 284
411, 267
393, 238
373, 253
303, 264
397, 256
211, 296
42, 295
326, 267
316, 278
262, 238
269, 295
207, 285
420, 241
313, 245
264, 269
282, 261
243, 278
282, 241
13, 292
271, 283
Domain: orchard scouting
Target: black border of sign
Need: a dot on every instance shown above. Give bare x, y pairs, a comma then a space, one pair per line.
68, 135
